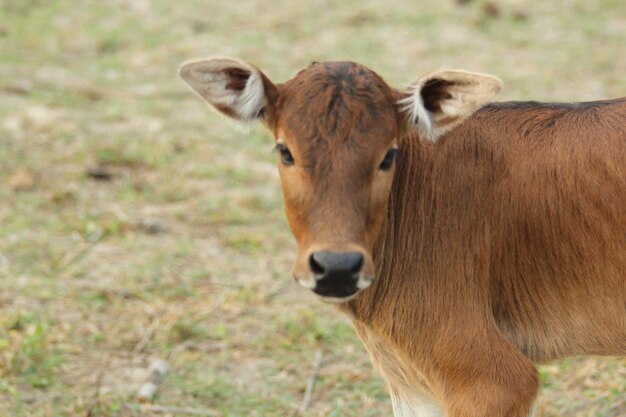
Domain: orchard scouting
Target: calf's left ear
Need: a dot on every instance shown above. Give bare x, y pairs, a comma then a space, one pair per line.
233, 87
441, 100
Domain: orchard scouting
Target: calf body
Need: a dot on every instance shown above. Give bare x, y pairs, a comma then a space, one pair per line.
466, 241
504, 244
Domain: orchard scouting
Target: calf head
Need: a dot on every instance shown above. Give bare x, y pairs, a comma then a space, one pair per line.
338, 129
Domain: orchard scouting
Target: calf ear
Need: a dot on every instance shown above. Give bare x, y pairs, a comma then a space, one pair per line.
233, 87
441, 100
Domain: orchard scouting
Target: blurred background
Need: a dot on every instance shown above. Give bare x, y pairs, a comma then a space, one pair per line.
136, 224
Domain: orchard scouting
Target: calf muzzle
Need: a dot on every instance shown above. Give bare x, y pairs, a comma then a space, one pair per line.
336, 273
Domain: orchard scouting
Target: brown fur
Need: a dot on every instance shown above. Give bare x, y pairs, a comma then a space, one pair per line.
512, 236
499, 246
504, 244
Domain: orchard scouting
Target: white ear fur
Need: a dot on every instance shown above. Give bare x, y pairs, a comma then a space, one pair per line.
211, 79
465, 92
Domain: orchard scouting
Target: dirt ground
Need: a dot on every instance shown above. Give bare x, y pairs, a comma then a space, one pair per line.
135, 224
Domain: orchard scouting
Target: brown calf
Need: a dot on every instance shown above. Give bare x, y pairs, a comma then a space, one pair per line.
491, 237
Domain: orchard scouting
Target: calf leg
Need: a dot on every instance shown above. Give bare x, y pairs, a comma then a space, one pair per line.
483, 400
487, 378
409, 405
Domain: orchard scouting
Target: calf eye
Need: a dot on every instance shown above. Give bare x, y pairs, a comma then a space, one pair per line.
285, 155
387, 162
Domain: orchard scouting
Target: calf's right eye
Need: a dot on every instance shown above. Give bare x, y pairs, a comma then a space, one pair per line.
285, 154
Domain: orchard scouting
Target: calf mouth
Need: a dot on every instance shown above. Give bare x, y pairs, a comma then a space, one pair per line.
340, 290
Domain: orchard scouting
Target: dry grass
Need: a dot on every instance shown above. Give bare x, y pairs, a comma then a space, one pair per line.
135, 224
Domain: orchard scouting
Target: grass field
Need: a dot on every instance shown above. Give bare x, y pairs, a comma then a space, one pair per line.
135, 224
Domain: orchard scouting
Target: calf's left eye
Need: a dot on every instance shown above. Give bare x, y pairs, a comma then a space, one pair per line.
387, 162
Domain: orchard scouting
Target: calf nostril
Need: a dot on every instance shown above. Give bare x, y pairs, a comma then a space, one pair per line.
357, 263
316, 267
332, 263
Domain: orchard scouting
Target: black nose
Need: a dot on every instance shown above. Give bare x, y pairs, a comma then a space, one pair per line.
337, 274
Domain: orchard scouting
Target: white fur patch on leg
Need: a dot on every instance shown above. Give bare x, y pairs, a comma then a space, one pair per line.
413, 406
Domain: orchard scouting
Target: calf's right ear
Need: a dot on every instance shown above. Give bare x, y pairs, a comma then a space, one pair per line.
233, 87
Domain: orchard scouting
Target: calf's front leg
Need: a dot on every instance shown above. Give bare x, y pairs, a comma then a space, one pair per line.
484, 376
408, 405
